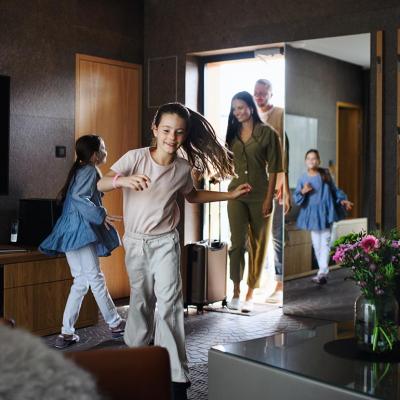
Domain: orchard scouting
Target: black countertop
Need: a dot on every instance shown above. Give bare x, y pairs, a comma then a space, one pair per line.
303, 353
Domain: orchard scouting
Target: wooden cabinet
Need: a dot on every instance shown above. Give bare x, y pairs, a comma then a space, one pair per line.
297, 252
34, 292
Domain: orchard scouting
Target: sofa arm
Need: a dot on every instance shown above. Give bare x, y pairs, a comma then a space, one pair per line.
139, 373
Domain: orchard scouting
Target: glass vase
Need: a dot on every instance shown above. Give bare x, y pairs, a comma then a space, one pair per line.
376, 323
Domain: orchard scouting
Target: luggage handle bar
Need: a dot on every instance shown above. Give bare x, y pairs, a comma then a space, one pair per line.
214, 244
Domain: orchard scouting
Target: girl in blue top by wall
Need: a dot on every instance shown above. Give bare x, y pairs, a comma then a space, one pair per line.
321, 204
84, 232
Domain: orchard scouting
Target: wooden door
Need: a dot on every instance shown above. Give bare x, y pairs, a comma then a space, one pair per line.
108, 103
348, 153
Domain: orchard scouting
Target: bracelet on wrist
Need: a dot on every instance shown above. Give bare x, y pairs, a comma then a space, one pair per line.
114, 181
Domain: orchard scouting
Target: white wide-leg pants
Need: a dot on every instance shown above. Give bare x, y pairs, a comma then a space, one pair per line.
321, 244
153, 265
85, 269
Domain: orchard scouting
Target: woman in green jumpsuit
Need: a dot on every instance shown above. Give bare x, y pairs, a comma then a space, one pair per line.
257, 159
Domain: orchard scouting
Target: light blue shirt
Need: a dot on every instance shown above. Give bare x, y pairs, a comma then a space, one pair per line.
82, 220
320, 207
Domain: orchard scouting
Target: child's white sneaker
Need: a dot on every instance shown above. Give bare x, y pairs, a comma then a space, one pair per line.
64, 340
118, 331
320, 279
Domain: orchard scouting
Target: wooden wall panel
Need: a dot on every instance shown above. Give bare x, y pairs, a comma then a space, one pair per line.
108, 102
348, 154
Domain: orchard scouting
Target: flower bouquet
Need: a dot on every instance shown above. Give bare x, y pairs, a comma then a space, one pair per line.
374, 261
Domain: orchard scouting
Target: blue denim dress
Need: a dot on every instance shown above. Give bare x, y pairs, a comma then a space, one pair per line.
320, 207
82, 220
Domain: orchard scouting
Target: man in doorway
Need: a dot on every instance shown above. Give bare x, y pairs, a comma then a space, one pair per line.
273, 116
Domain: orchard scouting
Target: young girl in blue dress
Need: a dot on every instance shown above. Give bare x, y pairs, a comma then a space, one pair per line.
84, 232
320, 202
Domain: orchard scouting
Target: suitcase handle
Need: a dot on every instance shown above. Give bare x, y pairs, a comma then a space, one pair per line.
219, 217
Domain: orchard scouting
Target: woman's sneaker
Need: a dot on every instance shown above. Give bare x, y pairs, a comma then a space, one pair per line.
118, 330
64, 340
234, 304
248, 306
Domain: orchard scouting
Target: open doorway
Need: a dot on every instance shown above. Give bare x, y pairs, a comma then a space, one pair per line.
222, 79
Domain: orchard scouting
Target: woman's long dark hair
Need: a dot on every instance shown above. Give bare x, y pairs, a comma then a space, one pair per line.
325, 175
234, 125
201, 146
85, 147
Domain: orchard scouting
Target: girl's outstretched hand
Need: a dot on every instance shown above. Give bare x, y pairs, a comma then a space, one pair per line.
108, 222
241, 190
306, 188
348, 205
135, 182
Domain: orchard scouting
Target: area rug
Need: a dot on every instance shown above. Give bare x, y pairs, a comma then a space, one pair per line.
259, 308
199, 377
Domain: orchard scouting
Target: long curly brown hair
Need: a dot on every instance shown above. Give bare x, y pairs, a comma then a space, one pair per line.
201, 146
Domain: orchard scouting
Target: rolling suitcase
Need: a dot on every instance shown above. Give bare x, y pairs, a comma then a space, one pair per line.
206, 271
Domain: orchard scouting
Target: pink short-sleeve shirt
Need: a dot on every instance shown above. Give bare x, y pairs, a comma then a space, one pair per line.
153, 211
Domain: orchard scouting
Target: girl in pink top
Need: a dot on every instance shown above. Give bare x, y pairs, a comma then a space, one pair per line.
151, 179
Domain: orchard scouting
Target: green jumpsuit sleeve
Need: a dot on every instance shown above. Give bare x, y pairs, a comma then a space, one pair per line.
273, 154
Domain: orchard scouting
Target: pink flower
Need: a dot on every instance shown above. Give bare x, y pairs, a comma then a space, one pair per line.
369, 243
339, 255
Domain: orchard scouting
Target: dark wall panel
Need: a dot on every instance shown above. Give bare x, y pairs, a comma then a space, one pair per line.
39, 40
161, 91
4, 132
314, 84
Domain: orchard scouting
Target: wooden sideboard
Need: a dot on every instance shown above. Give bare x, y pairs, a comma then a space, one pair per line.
34, 289
297, 252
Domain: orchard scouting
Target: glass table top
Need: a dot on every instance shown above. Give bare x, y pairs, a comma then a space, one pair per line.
302, 353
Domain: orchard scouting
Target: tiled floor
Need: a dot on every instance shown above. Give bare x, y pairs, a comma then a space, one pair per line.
334, 301
204, 331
